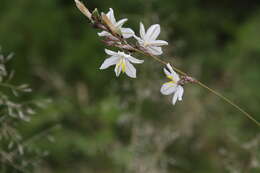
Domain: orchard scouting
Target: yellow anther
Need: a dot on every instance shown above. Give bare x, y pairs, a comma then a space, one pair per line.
171, 78
123, 66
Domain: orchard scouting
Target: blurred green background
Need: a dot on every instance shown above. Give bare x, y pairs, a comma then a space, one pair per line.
115, 125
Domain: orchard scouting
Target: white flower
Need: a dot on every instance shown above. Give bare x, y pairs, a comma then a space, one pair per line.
122, 61
148, 39
172, 87
126, 32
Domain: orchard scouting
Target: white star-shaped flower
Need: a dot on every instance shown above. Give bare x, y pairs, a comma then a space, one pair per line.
172, 87
148, 39
122, 63
126, 32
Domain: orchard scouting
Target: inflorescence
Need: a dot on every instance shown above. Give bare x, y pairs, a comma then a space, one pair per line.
115, 35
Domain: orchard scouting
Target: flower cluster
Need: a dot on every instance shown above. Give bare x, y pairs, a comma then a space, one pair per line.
147, 43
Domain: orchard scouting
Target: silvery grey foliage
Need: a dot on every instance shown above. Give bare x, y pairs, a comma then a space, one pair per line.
15, 151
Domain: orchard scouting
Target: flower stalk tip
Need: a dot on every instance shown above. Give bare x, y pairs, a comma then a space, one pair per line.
84, 10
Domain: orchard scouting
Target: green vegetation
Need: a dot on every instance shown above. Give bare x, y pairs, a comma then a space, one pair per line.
115, 125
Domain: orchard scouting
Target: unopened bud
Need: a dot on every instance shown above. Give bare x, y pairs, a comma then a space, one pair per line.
84, 9
112, 38
186, 79
96, 16
125, 46
109, 42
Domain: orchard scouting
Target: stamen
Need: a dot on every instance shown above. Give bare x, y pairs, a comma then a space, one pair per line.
171, 78
123, 66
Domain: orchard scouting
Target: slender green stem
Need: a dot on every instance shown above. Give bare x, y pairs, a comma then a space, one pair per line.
161, 61
228, 101
204, 86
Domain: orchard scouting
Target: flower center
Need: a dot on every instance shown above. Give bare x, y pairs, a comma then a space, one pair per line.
171, 78
146, 44
122, 64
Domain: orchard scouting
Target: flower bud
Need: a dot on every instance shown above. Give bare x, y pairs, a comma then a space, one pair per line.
96, 16
109, 42
84, 10
186, 79
125, 46
112, 38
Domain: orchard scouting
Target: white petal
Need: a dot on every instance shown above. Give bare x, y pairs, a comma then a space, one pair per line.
103, 33
109, 62
120, 23
140, 41
174, 99
122, 54
111, 16
176, 77
142, 30
158, 43
173, 73
168, 88
134, 60
153, 32
130, 69
166, 72
154, 50
118, 69
110, 52
180, 92
127, 32
170, 68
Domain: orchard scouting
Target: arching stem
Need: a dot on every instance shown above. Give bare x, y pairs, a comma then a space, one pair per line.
203, 86
229, 102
